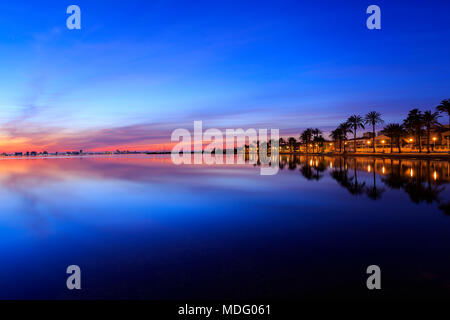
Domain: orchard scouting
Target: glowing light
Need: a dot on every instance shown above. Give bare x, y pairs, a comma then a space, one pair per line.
411, 140
411, 173
383, 170
311, 163
368, 168
368, 142
434, 139
382, 141
331, 164
435, 175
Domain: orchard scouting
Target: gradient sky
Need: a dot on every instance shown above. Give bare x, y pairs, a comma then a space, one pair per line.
137, 70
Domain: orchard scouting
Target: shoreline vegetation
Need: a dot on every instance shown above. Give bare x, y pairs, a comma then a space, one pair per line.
411, 155
419, 135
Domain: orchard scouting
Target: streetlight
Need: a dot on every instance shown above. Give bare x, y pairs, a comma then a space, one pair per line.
383, 142
434, 143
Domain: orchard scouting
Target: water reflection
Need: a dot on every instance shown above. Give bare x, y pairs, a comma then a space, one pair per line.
144, 227
422, 180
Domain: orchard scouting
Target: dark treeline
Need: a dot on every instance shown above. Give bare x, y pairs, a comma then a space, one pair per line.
418, 124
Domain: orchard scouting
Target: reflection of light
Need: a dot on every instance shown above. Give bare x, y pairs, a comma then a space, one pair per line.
382, 169
435, 175
368, 168
412, 172
331, 164
317, 163
311, 163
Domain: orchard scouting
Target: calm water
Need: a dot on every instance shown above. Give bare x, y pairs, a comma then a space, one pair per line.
140, 227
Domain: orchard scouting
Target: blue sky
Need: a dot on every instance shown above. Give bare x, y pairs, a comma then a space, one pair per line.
139, 69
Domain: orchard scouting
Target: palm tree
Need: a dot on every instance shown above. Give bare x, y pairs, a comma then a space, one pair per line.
336, 135
306, 137
395, 132
444, 108
345, 129
316, 132
373, 118
430, 121
292, 141
414, 124
319, 141
355, 122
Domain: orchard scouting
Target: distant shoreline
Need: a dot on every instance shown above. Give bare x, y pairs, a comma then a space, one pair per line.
440, 156
425, 155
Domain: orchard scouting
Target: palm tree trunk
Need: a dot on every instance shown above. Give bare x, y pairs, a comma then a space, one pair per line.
420, 141
354, 141
398, 144
391, 144
428, 139
373, 137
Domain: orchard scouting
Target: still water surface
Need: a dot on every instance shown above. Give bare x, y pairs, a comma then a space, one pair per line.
140, 227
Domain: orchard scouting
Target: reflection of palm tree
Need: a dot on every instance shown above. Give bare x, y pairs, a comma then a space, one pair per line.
282, 163
394, 179
313, 172
341, 175
351, 184
356, 188
307, 172
445, 207
418, 191
374, 193
292, 163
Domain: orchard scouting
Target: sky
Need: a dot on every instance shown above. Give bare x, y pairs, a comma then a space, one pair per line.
137, 70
